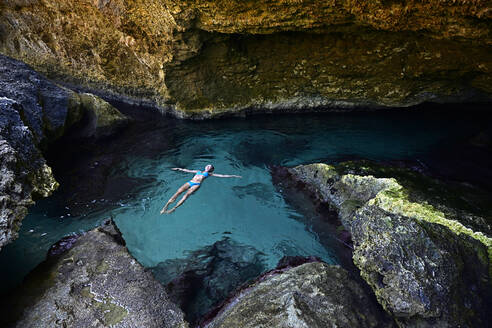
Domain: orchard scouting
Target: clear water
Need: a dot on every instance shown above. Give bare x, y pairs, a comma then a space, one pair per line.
250, 211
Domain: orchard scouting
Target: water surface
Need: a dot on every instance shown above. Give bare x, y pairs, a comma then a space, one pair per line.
130, 179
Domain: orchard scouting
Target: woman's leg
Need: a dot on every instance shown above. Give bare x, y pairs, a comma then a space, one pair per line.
185, 197
173, 198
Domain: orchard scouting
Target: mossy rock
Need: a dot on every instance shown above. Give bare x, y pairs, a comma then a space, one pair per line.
95, 283
427, 259
311, 295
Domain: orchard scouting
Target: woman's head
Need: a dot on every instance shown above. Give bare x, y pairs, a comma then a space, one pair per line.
209, 168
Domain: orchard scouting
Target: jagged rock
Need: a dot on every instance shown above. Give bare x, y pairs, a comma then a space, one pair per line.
428, 263
206, 58
314, 295
23, 171
95, 283
33, 113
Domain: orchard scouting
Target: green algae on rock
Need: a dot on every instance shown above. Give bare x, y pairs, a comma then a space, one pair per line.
95, 283
426, 266
206, 58
312, 295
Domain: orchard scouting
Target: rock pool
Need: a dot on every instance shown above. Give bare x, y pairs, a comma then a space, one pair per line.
130, 178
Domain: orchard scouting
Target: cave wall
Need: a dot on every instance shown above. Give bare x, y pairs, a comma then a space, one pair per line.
204, 58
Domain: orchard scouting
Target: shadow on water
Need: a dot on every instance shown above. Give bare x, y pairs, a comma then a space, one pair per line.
231, 231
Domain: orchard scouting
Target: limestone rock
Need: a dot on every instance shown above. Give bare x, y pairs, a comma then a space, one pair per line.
314, 295
95, 283
208, 58
102, 119
428, 264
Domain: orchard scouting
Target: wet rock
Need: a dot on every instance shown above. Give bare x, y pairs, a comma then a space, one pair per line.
33, 113
209, 275
310, 295
62, 245
427, 261
101, 119
293, 261
23, 170
95, 283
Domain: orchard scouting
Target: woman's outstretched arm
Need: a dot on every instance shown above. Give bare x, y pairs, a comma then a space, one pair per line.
225, 175
184, 170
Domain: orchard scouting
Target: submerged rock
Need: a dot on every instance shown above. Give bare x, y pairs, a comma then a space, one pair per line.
33, 113
95, 283
427, 264
314, 295
209, 275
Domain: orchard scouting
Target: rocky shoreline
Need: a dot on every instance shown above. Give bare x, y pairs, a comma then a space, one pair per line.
427, 263
93, 281
34, 112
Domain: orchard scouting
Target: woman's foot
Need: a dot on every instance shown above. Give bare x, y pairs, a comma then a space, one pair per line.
170, 211
164, 208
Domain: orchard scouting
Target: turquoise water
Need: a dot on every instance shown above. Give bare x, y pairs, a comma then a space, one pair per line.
251, 211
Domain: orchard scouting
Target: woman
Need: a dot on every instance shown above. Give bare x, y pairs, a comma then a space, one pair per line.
192, 185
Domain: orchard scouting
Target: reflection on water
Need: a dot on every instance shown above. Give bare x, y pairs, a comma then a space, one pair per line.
130, 179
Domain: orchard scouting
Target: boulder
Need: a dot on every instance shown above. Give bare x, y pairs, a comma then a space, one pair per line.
314, 295
427, 260
95, 282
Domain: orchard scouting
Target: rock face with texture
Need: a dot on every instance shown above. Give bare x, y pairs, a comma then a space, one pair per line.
95, 283
204, 58
33, 113
428, 263
23, 170
311, 295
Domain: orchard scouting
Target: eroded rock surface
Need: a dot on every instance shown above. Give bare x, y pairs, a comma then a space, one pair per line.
33, 113
427, 262
205, 58
95, 283
314, 295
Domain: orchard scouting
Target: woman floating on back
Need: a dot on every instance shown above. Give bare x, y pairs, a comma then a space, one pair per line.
192, 185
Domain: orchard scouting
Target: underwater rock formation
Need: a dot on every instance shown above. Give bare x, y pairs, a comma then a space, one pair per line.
205, 58
33, 113
310, 295
94, 283
427, 259
209, 275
